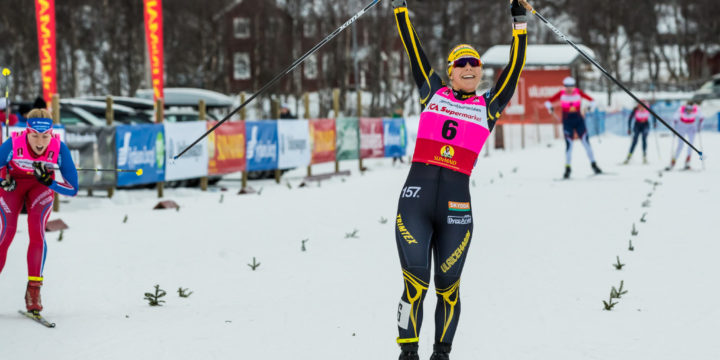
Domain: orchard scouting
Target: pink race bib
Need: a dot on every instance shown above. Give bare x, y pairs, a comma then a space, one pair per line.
451, 132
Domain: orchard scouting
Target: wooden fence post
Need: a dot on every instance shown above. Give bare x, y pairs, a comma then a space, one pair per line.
275, 108
359, 115
243, 183
159, 119
202, 116
306, 105
109, 119
56, 120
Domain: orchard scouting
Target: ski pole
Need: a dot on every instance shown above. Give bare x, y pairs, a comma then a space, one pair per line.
702, 160
137, 172
607, 74
282, 74
6, 74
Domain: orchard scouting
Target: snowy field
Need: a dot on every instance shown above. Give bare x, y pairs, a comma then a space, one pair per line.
539, 267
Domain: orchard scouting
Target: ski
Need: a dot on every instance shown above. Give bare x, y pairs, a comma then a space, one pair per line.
38, 318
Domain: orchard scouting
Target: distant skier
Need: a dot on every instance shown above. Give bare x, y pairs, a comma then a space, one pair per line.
573, 121
434, 218
27, 160
641, 127
688, 122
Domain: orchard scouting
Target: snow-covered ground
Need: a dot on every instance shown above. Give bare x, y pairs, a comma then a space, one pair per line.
539, 267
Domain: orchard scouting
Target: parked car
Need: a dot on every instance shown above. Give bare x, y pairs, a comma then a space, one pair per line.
133, 102
122, 114
709, 90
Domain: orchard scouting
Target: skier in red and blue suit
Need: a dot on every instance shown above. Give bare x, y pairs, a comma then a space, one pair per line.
573, 121
28, 160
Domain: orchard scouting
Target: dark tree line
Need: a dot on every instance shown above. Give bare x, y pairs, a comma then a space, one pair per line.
101, 44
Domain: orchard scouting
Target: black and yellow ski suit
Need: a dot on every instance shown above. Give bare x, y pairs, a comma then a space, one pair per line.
434, 218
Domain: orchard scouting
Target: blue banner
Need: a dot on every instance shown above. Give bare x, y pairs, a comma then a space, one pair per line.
394, 137
140, 147
262, 145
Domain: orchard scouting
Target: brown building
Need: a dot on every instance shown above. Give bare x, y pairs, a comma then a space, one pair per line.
264, 38
703, 63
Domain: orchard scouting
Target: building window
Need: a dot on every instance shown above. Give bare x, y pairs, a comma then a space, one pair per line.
241, 66
241, 28
310, 68
309, 29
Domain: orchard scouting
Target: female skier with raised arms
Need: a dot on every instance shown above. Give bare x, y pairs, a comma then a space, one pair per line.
434, 218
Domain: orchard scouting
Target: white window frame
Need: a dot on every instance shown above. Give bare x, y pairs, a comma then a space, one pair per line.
238, 74
238, 24
310, 67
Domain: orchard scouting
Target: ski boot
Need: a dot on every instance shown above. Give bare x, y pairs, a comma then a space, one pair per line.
645, 159
687, 163
627, 161
441, 351
566, 175
32, 297
672, 164
409, 351
595, 168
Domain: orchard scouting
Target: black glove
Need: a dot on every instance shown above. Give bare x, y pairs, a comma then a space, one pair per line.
399, 3
518, 12
42, 174
8, 184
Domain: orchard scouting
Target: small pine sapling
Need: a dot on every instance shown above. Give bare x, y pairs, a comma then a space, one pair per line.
254, 265
259, 191
287, 183
303, 244
618, 265
60, 237
353, 234
183, 292
154, 299
222, 197
634, 231
618, 293
125, 219
500, 174
514, 170
642, 219
646, 203
608, 305
383, 220
631, 247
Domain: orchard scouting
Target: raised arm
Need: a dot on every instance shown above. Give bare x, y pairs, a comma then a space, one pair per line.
427, 81
500, 95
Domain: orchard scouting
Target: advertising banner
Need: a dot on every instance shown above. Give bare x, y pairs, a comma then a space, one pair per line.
371, 138
140, 147
394, 137
226, 148
194, 163
93, 147
262, 145
322, 139
533, 89
154, 41
348, 139
45, 21
294, 144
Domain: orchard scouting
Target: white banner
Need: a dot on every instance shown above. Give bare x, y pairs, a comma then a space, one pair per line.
194, 163
293, 144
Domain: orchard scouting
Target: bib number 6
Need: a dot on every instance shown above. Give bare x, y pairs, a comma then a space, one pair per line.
449, 129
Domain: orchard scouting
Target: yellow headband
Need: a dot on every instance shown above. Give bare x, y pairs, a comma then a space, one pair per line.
461, 51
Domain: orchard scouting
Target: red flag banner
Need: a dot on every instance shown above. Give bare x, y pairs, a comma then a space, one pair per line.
322, 135
154, 40
226, 148
371, 138
45, 19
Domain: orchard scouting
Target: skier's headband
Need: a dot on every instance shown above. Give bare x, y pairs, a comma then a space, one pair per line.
40, 125
459, 52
